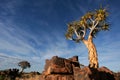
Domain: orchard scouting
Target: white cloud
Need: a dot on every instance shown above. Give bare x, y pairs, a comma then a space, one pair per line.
18, 44
108, 52
13, 40
16, 40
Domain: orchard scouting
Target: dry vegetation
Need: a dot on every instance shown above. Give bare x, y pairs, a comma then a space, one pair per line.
14, 74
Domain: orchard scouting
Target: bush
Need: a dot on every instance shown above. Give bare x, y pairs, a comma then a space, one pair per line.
2, 77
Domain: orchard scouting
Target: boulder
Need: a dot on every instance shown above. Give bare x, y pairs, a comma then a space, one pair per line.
59, 68
87, 73
58, 65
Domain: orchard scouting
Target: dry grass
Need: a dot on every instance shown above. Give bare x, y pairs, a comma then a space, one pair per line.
29, 78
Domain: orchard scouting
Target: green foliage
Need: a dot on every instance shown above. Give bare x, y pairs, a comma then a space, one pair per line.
70, 32
91, 23
2, 77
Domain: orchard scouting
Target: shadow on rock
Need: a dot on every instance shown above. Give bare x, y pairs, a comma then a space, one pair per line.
102, 73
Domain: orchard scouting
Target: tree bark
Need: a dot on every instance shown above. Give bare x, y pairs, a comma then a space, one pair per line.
92, 52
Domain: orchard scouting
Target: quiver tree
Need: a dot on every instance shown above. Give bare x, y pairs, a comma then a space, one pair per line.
24, 65
86, 29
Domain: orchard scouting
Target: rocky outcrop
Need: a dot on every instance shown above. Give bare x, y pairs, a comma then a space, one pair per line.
69, 69
87, 73
117, 76
59, 68
58, 65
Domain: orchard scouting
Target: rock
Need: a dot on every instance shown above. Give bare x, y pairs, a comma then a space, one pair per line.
117, 76
58, 65
87, 73
69, 69
105, 74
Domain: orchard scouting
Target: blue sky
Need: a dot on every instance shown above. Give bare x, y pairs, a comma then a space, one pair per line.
33, 30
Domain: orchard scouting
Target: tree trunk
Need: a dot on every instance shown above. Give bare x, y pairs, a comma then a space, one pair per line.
92, 52
21, 70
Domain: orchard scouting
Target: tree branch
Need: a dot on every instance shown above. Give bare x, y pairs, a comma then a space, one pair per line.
93, 26
91, 19
76, 33
84, 31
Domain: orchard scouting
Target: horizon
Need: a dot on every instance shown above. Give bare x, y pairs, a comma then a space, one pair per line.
35, 31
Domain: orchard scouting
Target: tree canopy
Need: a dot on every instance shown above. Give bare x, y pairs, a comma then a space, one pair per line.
90, 24
24, 65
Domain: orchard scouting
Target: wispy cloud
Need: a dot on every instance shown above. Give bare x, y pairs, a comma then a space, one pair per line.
13, 39
108, 50
18, 43
8, 8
